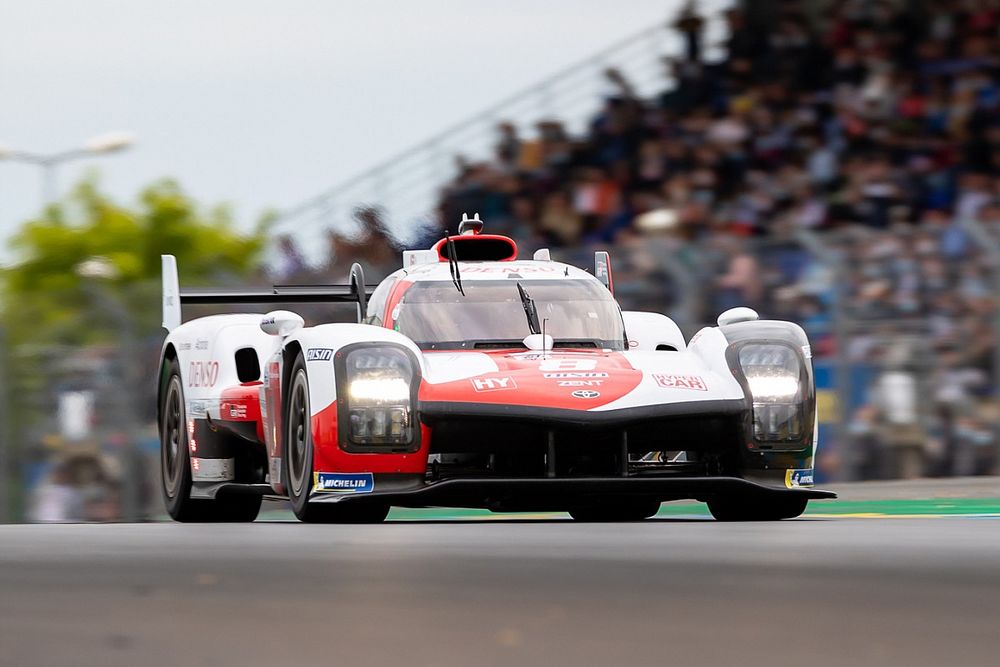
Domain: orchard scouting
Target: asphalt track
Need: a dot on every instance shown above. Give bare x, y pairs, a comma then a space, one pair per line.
681, 591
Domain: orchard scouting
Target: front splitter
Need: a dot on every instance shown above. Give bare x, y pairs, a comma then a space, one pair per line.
547, 493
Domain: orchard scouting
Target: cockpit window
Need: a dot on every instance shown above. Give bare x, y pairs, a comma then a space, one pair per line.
576, 313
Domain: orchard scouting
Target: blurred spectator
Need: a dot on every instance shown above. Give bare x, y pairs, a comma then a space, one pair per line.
508, 148
690, 24
80, 487
561, 224
903, 435
740, 284
866, 447
290, 263
56, 498
99, 491
374, 248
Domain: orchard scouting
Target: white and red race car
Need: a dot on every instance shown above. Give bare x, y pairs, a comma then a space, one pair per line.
475, 379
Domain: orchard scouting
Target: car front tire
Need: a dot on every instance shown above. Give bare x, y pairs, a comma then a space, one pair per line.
299, 462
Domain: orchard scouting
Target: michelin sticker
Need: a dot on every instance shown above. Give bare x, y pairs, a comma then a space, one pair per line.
794, 478
343, 482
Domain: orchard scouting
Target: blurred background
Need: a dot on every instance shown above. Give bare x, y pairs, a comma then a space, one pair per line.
834, 163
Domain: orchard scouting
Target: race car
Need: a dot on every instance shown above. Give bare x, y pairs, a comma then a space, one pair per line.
476, 379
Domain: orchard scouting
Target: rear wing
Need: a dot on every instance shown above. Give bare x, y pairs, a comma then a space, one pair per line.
356, 292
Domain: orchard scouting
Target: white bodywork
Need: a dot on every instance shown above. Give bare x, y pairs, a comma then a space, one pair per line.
656, 368
205, 346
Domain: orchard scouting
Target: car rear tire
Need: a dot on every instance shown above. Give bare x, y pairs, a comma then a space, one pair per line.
175, 464
298, 462
756, 509
616, 511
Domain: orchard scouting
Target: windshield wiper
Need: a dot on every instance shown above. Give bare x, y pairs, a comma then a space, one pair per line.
456, 277
529, 310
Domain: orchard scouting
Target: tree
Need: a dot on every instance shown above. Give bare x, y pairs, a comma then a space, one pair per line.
57, 321
46, 300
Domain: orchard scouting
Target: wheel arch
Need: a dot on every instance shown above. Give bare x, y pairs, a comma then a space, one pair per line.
169, 354
792, 336
288, 354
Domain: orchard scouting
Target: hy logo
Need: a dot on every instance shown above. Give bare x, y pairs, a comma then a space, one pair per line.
585, 393
493, 384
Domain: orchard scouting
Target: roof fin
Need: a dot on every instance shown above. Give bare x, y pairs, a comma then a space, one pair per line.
171, 293
602, 269
471, 225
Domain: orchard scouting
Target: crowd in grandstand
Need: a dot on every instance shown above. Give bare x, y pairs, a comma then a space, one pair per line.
870, 125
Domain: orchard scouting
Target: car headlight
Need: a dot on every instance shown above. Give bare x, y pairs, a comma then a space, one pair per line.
379, 389
774, 378
379, 384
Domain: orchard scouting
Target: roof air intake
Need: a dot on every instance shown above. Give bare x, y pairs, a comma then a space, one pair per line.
471, 245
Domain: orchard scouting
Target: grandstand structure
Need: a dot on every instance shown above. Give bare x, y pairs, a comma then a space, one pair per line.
406, 186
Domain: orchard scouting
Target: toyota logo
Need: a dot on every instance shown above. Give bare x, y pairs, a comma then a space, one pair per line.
585, 393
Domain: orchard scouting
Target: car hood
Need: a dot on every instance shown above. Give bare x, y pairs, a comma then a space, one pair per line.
580, 380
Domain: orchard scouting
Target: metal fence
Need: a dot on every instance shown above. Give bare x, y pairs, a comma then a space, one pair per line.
85, 412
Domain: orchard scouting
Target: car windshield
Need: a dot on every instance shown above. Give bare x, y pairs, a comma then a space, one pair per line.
576, 313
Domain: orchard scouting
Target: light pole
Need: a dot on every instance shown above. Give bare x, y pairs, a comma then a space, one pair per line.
6, 444
111, 142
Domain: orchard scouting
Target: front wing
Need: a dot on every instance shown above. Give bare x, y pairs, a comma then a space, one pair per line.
558, 494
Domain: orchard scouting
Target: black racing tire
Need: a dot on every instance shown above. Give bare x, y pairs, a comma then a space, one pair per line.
298, 462
616, 511
756, 509
175, 464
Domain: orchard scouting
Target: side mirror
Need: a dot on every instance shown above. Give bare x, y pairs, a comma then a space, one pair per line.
281, 323
741, 314
536, 342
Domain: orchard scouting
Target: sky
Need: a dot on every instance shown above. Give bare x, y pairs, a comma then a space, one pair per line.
264, 104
